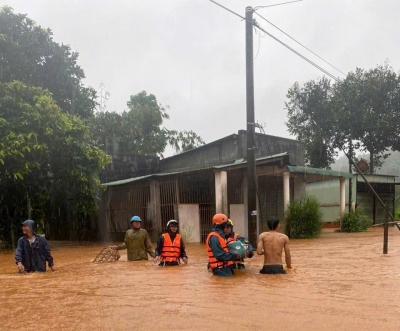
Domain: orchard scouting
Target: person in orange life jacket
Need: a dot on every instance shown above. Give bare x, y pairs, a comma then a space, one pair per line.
221, 261
230, 235
170, 247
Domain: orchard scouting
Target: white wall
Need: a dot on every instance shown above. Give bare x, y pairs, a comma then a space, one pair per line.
189, 222
237, 215
299, 188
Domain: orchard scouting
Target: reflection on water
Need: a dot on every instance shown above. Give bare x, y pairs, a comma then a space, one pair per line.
341, 282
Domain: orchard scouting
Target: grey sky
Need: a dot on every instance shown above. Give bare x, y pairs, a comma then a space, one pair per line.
190, 53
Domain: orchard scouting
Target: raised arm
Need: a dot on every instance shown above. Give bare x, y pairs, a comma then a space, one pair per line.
288, 257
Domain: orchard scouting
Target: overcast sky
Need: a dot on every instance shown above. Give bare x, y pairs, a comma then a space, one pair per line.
191, 53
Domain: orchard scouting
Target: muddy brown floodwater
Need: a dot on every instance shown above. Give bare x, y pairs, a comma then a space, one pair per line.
340, 282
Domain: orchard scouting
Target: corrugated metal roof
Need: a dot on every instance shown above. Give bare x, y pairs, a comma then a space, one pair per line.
222, 166
135, 179
319, 172
243, 161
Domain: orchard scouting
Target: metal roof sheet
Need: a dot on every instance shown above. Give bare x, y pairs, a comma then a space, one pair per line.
222, 166
319, 172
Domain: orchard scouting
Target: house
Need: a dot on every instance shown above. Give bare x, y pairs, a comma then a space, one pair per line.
327, 193
192, 186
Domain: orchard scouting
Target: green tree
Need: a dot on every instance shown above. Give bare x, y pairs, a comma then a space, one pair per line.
359, 113
309, 117
183, 141
140, 130
29, 54
45, 157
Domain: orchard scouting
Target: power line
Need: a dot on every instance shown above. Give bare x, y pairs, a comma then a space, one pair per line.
277, 4
231, 11
282, 43
299, 54
299, 43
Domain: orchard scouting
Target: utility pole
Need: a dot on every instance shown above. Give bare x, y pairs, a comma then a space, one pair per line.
251, 178
350, 179
386, 231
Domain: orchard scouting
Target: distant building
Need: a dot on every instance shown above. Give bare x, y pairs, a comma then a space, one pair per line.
328, 195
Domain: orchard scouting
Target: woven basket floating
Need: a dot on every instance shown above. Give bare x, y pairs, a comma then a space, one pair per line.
107, 254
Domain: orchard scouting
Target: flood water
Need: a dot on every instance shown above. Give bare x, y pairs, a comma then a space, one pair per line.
340, 282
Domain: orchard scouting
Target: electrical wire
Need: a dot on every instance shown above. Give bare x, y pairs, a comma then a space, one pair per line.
231, 11
299, 54
277, 4
282, 43
299, 43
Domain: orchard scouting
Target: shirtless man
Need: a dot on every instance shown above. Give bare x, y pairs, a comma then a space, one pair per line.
271, 244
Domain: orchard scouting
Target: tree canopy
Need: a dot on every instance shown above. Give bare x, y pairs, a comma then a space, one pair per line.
52, 143
360, 113
140, 130
45, 154
29, 54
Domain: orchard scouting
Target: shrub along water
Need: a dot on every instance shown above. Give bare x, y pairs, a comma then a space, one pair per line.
355, 221
303, 218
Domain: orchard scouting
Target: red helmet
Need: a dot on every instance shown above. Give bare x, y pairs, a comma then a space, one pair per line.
219, 219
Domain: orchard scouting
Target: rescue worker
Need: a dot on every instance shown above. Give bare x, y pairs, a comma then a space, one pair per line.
230, 235
137, 242
170, 247
221, 261
32, 251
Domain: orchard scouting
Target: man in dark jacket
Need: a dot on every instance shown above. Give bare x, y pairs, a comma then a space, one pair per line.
170, 247
32, 251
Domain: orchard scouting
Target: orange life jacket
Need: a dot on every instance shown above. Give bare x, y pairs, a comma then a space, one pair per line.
214, 263
171, 251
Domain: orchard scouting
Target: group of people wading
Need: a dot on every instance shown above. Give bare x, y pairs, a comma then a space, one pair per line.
222, 261
33, 251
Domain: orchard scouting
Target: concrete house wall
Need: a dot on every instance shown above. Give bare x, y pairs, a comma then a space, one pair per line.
231, 148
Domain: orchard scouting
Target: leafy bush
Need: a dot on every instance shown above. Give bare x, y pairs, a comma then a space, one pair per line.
303, 218
355, 221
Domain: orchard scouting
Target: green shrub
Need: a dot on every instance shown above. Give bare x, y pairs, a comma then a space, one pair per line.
355, 221
303, 218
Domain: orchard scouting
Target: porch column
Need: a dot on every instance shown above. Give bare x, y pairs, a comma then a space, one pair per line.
154, 210
286, 191
221, 192
342, 200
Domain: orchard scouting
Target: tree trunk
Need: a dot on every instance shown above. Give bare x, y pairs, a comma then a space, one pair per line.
371, 163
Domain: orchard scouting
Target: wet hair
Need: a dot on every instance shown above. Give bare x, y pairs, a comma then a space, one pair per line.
273, 222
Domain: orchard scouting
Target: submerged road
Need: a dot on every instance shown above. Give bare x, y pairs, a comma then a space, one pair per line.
340, 282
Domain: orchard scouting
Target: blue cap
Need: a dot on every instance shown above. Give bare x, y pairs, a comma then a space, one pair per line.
135, 219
